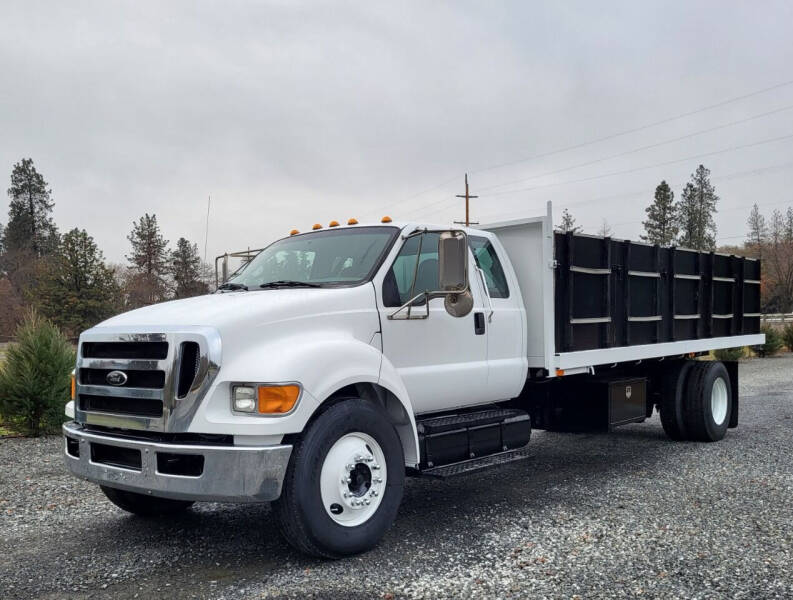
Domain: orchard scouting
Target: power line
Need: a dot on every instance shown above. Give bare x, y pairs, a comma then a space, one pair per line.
645, 167
643, 192
597, 140
639, 128
642, 148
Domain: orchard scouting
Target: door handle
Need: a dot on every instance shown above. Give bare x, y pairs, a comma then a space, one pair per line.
479, 323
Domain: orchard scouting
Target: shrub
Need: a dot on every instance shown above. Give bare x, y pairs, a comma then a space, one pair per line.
773, 342
787, 336
728, 354
35, 378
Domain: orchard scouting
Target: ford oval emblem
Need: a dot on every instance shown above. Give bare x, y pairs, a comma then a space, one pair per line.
116, 378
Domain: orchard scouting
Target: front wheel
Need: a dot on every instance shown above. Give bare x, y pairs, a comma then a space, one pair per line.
344, 483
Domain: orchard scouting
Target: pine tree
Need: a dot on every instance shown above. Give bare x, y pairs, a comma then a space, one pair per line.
2, 238
30, 225
568, 223
149, 262
661, 224
696, 210
758, 231
78, 290
186, 270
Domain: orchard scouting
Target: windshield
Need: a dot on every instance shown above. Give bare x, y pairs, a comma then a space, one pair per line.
323, 258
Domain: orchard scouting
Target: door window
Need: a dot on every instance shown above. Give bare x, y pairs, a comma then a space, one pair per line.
398, 282
487, 260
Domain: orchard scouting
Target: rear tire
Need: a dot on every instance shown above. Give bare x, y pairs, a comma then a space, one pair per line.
143, 505
320, 512
708, 402
673, 389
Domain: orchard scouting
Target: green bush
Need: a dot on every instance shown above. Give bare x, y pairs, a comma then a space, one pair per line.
35, 377
773, 342
787, 336
728, 354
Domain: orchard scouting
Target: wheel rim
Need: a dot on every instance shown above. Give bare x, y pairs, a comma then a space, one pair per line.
353, 479
718, 401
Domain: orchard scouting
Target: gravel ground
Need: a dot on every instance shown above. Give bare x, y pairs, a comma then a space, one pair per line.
622, 515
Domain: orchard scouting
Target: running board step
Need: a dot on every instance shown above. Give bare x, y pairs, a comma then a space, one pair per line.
477, 464
456, 438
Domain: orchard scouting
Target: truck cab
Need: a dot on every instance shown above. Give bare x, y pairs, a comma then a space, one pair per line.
329, 367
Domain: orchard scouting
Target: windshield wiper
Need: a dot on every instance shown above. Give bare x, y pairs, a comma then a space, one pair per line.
232, 286
289, 283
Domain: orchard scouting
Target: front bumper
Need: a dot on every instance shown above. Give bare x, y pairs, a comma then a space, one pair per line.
228, 474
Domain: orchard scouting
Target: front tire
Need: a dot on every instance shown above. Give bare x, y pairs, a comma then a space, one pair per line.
143, 505
344, 483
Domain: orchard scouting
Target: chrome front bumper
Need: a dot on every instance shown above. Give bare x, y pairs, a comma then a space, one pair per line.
229, 473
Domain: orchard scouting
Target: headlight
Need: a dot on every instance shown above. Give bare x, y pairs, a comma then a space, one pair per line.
265, 399
244, 398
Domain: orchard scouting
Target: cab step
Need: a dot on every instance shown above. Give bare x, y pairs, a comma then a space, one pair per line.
476, 464
471, 440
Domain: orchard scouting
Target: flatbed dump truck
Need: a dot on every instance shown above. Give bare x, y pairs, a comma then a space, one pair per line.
340, 360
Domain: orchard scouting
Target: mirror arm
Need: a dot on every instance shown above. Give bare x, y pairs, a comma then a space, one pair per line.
408, 305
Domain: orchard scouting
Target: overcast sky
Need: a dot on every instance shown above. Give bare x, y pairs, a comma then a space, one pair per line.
291, 113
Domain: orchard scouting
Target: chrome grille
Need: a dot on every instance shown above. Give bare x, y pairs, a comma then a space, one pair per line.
164, 377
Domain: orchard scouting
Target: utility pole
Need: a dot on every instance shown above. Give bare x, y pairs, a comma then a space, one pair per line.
467, 197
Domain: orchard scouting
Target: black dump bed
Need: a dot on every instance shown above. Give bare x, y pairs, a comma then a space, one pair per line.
610, 293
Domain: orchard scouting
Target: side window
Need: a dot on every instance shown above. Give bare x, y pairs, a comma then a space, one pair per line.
398, 282
487, 260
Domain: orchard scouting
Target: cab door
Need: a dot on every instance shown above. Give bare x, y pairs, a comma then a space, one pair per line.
442, 359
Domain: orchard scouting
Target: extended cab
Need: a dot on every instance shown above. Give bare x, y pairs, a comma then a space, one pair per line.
340, 360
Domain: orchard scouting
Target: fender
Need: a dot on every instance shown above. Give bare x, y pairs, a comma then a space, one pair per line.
323, 362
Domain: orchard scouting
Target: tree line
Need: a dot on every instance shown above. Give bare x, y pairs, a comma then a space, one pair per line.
690, 223
65, 276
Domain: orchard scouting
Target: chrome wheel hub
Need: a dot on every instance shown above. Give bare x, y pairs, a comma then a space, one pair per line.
353, 479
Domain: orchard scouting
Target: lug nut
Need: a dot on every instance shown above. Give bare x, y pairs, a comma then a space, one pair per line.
366, 502
373, 493
378, 480
375, 467
346, 480
350, 467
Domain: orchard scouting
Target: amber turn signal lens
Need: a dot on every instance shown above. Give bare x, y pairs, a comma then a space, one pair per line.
385, 219
73, 387
277, 399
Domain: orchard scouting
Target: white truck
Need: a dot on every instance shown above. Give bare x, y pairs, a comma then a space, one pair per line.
340, 360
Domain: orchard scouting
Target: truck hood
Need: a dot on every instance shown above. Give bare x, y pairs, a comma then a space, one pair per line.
234, 310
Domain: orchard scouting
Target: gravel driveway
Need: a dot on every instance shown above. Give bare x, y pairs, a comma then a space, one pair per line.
621, 515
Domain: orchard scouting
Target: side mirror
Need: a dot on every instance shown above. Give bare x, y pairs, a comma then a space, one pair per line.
453, 262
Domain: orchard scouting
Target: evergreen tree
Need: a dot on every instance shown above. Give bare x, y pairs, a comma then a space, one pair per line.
696, 210
149, 262
186, 270
568, 223
78, 290
789, 226
758, 231
661, 224
30, 225
2, 238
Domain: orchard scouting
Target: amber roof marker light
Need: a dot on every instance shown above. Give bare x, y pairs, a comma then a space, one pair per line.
294, 232
316, 226
352, 221
333, 224
385, 219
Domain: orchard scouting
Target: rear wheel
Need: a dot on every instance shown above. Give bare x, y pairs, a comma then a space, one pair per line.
708, 402
673, 389
143, 505
344, 483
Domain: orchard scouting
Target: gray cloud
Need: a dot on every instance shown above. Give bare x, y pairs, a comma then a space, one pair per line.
290, 113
